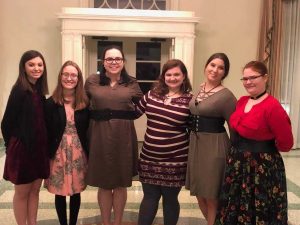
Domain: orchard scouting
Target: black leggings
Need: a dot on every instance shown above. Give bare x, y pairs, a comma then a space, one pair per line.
61, 208
149, 205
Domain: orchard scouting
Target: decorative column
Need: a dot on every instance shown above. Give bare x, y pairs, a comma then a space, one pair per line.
72, 48
184, 50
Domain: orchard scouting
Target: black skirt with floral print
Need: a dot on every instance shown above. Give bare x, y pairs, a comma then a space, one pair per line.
254, 190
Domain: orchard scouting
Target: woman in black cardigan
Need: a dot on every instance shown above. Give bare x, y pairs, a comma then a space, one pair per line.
67, 122
24, 132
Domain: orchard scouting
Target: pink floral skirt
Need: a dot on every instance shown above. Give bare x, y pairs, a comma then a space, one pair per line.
68, 168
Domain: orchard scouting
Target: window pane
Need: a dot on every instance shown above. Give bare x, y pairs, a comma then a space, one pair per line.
97, 3
129, 4
159, 5
148, 51
137, 4
103, 44
145, 86
147, 71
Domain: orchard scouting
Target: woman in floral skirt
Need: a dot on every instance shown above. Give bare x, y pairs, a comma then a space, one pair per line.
254, 189
67, 122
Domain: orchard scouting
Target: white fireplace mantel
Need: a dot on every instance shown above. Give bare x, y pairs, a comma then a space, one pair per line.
80, 22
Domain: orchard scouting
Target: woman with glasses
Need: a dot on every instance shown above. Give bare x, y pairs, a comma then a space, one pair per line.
254, 189
67, 119
24, 132
112, 136
209, 142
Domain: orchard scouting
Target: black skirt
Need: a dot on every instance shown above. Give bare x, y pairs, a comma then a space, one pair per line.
254, 189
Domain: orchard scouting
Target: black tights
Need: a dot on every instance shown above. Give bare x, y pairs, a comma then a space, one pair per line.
61, 208
149, 204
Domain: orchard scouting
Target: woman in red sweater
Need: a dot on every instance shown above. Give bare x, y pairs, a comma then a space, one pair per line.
254, 189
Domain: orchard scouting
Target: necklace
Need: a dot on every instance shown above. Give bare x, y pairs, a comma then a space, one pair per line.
202, 94
168, 98
258, 96
168, 95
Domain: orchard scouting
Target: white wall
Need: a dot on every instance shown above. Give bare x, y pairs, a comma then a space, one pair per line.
25, 25
229, 26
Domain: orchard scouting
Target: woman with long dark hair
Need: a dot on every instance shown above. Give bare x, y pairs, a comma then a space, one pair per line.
209, 142
24, 132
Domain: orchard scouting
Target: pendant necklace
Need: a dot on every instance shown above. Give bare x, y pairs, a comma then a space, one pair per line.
168, 98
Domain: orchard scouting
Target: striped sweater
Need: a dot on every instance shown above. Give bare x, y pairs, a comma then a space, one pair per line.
163, 157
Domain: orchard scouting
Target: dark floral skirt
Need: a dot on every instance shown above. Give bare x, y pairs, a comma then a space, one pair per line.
254, 190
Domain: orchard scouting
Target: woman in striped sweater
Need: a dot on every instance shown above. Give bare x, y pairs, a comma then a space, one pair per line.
163, 158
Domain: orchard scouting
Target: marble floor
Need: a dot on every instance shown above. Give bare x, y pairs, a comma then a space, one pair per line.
89, 212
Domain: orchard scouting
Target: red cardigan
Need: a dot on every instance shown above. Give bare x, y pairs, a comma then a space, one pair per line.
266, 120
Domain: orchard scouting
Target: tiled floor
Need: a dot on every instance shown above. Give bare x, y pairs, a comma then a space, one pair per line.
189, 214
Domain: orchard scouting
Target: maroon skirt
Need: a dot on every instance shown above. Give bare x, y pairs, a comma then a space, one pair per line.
23, 166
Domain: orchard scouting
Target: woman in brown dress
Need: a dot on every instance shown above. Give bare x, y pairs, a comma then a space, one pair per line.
112, 136
209, 142
24, 132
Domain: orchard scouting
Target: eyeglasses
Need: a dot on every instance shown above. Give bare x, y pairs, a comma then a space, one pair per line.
116, 60
250, 78
73, 76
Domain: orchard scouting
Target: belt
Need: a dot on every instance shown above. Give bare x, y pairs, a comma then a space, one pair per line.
199, 123
245, 144
108, 114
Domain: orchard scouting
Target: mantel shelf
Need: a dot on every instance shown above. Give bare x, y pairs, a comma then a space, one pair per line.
130, 13
77, 23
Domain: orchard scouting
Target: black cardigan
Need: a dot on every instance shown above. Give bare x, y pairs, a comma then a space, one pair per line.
19, 118
56, 123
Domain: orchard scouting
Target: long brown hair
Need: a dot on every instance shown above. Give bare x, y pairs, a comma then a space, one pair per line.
81, 99
160, 86
22, 81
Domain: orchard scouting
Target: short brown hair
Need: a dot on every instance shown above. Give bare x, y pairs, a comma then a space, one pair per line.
257, 66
